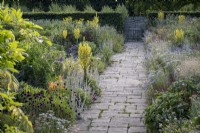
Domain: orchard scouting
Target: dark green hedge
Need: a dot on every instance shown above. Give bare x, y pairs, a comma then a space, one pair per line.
111, 19
153, 15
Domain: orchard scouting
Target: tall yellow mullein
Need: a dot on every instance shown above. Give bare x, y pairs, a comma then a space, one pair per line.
77, 33
84, 56
67, 20
95, 22
161, 15
181, 18
64, 34
79, 22
178, 37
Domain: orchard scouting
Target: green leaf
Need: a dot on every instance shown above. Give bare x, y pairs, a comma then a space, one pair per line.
37, 27
1, 107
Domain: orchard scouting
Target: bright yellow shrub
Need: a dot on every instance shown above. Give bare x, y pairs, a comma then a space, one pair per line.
77, 33
181, 18
84, 55
65, 34
179, 36
161, 15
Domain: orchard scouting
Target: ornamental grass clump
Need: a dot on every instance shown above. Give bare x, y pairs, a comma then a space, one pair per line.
160, 15
181, 18
179, 37
84, 56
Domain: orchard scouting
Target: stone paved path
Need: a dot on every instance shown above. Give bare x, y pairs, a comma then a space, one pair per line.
120, 108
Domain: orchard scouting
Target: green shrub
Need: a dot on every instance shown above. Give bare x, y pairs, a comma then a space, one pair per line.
54, 7
42, 64
188, 86
189, 7
107, 9
37, 100
97, 63
118, 43
174, 106
123, 10
69, 9
94, 87
16, 37
84, 97
167, 107
93, 47
195, 108
49, 123
106, 55
192, 33
179, 126
89, 9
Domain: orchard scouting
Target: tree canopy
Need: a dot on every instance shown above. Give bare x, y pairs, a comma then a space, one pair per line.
134, 6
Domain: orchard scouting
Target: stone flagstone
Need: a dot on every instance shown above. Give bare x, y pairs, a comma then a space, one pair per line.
121, 106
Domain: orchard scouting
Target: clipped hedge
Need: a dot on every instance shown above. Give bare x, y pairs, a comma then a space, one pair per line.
111, 19
153, 15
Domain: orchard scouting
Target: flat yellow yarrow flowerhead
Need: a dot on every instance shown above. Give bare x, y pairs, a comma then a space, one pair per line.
161, 15
179, 36
84, 55
181, 18
77, 33
65, 34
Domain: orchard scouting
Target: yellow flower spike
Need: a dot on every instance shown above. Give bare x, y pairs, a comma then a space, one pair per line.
95, 22
181, 18
179, 36
77, 33
84, 55
60, 78
65, 34
161, 15
66, 20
